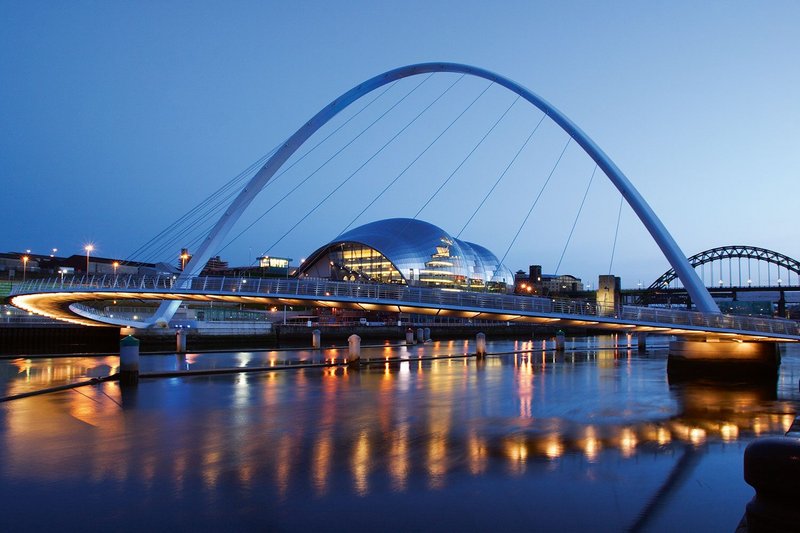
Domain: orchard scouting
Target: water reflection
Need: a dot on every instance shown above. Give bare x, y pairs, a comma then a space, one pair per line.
389, 428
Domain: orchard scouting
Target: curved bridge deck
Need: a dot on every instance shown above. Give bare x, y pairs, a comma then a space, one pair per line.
65, 300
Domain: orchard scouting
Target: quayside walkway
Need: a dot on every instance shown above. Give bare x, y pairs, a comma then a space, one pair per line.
67, 299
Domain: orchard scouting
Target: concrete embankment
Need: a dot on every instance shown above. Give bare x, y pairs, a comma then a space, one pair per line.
57, 339
52, 340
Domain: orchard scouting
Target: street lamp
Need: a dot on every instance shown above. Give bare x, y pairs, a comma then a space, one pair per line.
24, 266
54, 252
115, 264
88, 248
184, 257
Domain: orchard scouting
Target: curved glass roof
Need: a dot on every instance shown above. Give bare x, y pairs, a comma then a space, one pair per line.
420, 252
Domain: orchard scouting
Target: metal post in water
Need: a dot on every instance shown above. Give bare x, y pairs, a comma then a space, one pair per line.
480, 344
316, 339
180, 341
129, 361
354, 352
560, 341
641, 337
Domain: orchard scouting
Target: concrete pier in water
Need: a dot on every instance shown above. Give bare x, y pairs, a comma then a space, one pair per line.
720, 359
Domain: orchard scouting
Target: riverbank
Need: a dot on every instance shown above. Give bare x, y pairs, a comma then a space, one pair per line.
59, 339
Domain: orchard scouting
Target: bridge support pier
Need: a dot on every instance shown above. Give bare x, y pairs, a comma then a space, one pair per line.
720, 359
641, 339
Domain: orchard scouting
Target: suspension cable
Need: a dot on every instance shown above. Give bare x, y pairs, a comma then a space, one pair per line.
575, 222
337, 153
416, 159
536, 201
502, 174
453, 173
364, 164
616, 233
199, 206
202, 211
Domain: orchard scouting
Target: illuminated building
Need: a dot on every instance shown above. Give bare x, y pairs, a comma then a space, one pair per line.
407, 251
534, 282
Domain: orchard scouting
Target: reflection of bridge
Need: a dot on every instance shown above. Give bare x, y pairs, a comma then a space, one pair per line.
62, 299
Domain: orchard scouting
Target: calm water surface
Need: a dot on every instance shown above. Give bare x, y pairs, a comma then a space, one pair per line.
596, 439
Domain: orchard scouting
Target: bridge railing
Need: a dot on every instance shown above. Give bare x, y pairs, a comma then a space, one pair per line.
497, 303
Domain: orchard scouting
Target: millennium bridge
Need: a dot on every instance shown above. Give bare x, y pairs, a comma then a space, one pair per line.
66, 299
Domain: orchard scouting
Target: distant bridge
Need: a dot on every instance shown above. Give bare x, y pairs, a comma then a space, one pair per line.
727, 271
66, 300
738, 252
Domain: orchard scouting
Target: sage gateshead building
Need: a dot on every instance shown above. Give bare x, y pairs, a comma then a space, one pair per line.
411, 252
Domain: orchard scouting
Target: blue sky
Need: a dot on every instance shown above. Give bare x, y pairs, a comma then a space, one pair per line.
117, 117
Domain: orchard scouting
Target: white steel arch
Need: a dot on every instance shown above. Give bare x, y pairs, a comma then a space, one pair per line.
699, 294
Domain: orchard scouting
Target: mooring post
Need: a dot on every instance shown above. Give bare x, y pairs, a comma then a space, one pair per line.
129, 361
316, 339
354, 350
180, 341
560, 341
480, 345
641, 338
427, 334
409, 336
420, 335
772, 468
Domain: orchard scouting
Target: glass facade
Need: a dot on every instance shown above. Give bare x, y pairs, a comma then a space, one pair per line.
352, 261
408, 251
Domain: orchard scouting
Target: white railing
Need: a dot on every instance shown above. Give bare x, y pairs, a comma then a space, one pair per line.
496, 303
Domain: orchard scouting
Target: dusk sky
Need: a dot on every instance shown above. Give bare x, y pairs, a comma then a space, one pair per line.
118, 117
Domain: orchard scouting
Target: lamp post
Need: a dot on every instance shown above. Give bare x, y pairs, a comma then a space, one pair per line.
184, 257
24, 266
88, 248
115, 264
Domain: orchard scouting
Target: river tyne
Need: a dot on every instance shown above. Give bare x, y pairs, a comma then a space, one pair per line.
595, 439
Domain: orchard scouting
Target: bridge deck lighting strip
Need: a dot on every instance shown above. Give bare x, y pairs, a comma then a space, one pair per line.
57, 300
